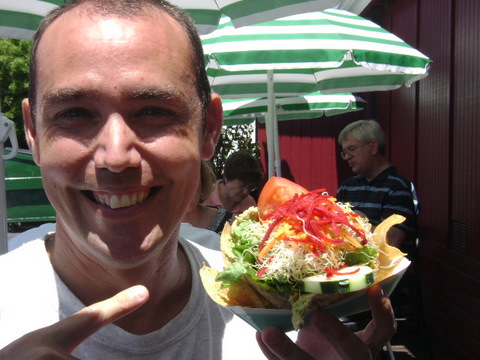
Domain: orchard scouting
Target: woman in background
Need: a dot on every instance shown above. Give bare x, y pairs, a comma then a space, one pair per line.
241, 175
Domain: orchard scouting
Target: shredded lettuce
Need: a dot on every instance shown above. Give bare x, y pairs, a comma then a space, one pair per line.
232, 273
363, 256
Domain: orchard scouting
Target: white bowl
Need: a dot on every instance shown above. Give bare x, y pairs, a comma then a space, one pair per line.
282, 319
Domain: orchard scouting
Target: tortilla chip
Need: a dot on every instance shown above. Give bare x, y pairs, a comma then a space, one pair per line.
237, 294
226, 245
275, 300
243, 294
212, 287
389, 256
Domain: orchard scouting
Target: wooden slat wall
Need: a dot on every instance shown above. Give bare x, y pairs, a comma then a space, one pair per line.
398, 115
465, 186
445, 133
465, 127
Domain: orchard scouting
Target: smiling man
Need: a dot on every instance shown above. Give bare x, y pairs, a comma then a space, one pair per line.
119, 118
378, 190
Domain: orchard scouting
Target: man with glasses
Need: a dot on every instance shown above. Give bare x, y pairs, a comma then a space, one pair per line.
377, 190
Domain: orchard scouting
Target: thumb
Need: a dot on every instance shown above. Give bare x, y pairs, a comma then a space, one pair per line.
383, 325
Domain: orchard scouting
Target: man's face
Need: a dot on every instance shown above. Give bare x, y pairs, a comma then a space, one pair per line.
358, 155
118, 131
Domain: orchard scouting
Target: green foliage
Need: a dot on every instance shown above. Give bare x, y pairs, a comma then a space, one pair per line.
14, 60
233, 138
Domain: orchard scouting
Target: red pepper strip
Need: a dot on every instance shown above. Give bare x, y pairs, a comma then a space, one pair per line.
263, 270
320, 234
342, 219
313, 213
333, 272
322, 226
268, 233
322, 222
275, 213
335, 229
323, 213
316, 246
359, 232
314, 208
284, 213
311, 209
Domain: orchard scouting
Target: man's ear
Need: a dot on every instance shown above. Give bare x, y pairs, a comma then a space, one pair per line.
30, 131
375, 147
212, 128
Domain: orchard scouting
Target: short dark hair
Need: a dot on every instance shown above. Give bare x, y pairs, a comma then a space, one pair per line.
128, 9
242, 165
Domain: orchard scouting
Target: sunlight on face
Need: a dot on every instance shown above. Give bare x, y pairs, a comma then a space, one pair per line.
114, 30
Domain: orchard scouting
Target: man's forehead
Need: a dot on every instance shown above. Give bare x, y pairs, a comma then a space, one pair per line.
156, 31
350, 139
112, 26
113, 29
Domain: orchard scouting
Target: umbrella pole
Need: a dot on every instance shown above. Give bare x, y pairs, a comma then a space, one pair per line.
7, 131
3, 205
271, 123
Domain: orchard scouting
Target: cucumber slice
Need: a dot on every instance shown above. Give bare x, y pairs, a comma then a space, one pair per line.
339, 284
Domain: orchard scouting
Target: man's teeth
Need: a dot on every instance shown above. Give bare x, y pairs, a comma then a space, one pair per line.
119, 201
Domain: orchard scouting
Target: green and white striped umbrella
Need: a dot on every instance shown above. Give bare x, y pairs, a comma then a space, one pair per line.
311, 106
331, 51
20, 18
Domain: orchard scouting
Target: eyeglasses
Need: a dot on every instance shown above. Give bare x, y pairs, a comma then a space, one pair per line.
242, 186
351, 150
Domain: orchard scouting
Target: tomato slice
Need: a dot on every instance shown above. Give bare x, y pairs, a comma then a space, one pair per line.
277, 191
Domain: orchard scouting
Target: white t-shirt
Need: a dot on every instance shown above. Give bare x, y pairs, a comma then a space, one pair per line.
33, 296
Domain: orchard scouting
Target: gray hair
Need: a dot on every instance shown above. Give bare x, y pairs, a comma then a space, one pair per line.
365, 131
128, 9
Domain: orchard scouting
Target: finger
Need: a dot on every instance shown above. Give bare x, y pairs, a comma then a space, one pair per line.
28, 348
383, 325
276, 345
266, 351
346, 343
72, 331
382, 312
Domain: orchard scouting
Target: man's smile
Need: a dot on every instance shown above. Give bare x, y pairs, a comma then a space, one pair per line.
119, 200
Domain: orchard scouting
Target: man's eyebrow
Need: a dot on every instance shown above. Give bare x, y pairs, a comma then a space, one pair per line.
59, 95
161, 93
64, 95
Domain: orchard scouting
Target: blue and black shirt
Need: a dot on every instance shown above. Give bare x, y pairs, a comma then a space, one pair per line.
387, 194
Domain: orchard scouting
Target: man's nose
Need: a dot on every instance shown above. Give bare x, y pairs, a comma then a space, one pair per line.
346, 155
116, 147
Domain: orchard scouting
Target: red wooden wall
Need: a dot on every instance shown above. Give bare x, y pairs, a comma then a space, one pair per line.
309, 151
433, 132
